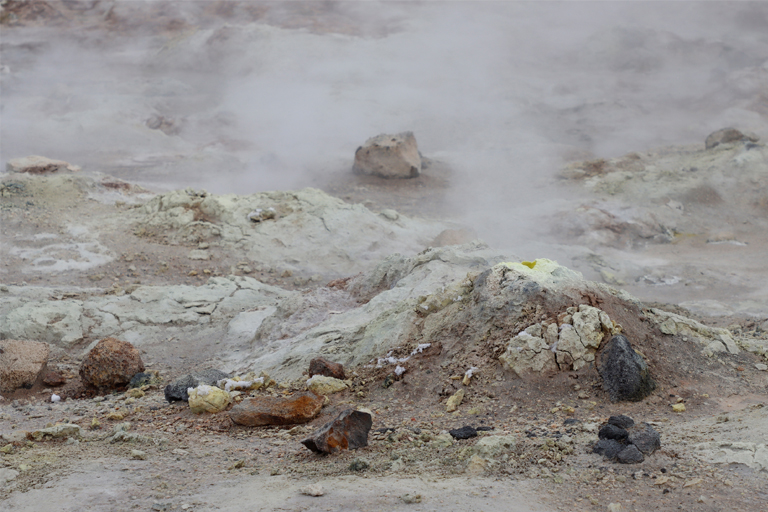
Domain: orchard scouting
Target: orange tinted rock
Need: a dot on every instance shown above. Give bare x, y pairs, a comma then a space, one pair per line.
53, 378
111, 363
321, 366
269, 410
348, 431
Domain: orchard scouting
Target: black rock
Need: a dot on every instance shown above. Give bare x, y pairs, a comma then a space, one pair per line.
625, 374
645, 438
609, 431
630, 455
177, 390
484, 429
571, 421
621, 421
608, 448
463, 432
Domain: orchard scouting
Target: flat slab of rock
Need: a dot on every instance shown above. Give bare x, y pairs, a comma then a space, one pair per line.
35, 164
177, 390
624, 372
111, 363
326, 368
21, 363
389, 156
348, 431
269, 410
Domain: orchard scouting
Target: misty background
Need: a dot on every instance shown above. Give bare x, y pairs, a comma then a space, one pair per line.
240, 97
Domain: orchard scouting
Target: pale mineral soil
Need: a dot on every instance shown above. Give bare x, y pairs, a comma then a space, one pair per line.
603, 115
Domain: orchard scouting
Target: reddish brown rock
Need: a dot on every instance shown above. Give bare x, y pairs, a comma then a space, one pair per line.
269, 410
21, 363
321, 366
53, 378
348, 431
111, 363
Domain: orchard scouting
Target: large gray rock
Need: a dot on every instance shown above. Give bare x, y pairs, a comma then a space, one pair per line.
625, 374
389, 156
21, 363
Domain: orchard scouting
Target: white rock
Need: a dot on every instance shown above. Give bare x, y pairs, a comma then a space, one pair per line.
389, 156
313, 490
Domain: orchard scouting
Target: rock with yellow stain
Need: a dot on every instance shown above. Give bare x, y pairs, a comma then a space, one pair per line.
208, 399
455, 401
678, 407
135, 393
322, 385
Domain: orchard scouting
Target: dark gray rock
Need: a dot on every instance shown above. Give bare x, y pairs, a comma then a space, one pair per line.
630, 455
608, 448
621, 421
609, 431
463, 432
348, 431
645, 438
177, 391
625, 374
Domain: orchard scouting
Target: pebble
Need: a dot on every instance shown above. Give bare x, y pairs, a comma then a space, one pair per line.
762, 367
678, 407
411, 498
138, 455
312, 490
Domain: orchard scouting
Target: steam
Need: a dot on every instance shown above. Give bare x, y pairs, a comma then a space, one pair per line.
504, 92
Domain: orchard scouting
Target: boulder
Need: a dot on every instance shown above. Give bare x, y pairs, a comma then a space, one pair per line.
321, 366
39, 165
177, 390
624, 372
268, 410
21, 363
725, 136
322, 385
348, 431
389, 156
208, 399
111, 363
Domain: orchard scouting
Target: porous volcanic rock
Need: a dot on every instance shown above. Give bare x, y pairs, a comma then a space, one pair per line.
645, 438
624, 372
111, 363
348, 431
53, 378
389, 156
269, 410
177, 390
326, 368
21, 362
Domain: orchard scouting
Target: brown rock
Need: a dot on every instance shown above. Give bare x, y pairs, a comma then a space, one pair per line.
269, 410
39, 165
53, 378
21, 363
727, 135
111, 363
348, 431
389, 156
321, 366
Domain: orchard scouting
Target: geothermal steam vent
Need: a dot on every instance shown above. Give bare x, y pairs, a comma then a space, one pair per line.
389, 156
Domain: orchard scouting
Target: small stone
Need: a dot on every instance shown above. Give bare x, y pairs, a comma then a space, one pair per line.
608, 448
7, 449
624, 372
454, 401
630, 455
322, 385
411, 498
134, 393
237, 465
197, 254
177, 391
138, 455
312, 490
150, 378
21, 363
610, 431
321, 366
762, 367
692, 482
55, 432
678, 407
645, 437
53, 378
725, 136
348, 431
465, 432
390, 214
621, 421
208, 399
95, 424
389, 156
359, 465
615, 507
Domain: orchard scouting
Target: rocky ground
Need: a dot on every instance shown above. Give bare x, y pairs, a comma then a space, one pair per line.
669, 243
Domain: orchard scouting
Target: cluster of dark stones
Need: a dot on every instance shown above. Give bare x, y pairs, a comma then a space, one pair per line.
620, 440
